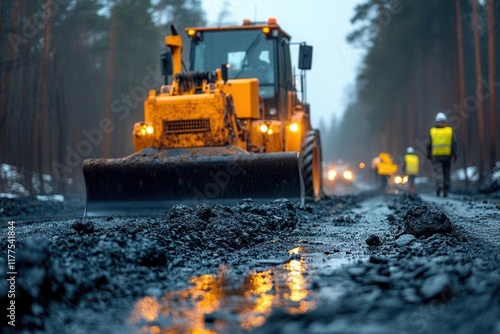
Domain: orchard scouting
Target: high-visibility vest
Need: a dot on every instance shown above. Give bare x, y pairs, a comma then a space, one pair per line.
411, 164
441, 140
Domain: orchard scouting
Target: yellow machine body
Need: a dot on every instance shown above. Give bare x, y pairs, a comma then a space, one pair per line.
212, 137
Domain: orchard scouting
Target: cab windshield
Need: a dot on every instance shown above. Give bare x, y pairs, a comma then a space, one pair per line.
247, 52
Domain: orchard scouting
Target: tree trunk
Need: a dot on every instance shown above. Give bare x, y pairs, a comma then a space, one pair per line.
462, 134
479, 90
411, 118
111, 66
398, 126
6, 77
30, 76
492, 69
44, 135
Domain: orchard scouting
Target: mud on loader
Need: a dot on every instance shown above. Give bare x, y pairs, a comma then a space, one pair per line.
232, 127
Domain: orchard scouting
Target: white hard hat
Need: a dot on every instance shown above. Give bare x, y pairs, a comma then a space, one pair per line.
440, 117
410, 150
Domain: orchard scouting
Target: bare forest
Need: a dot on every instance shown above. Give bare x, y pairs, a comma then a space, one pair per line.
73, 75
73, 78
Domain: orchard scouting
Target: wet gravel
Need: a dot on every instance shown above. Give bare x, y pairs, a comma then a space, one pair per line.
408, 265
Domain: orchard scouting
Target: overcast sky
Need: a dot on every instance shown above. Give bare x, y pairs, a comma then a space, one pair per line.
324, 24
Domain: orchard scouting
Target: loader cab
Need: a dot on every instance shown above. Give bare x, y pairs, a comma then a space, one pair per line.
254, 50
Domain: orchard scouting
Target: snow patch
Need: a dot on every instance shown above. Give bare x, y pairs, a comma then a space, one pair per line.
459, 175
5, 195
496, 175
54, 198
13, 179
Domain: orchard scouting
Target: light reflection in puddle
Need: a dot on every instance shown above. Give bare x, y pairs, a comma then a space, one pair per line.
244, 306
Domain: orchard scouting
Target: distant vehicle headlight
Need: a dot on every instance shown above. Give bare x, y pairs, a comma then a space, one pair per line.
331, 175
348, 175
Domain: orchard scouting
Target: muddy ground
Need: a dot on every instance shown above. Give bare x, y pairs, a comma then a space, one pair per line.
362, 262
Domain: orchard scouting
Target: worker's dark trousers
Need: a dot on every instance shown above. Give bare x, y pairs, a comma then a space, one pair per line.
442, 166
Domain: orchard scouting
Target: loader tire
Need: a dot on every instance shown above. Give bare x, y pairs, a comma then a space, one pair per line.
311, 165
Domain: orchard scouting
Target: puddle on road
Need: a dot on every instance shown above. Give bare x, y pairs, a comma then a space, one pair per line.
214, 304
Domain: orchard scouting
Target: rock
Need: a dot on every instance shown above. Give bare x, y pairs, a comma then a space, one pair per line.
423, 221
405, 240
410, 295
376, 259
83, 227
373, 240
356, 271
383, 282
437, 288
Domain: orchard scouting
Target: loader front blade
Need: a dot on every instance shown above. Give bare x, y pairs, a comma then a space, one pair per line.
153, 180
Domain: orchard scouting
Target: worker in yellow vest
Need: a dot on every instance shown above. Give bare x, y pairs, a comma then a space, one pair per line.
410, 167
441, 149
385, 168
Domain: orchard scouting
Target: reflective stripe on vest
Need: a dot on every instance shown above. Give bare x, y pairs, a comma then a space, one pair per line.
441, 140
411, 162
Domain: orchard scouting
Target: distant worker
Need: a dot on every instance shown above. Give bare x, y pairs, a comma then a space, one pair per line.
385, 168
410, 167
441, 149
374, 167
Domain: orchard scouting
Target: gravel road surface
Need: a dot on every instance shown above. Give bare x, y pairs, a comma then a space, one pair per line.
360, 262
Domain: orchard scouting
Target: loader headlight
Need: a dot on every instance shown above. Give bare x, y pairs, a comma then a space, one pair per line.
146, 129
331, 175
194, 34
263, 128
398, 179
294, 127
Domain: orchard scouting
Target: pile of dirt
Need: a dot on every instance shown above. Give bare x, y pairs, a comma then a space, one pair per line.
421, 278
92, 263
423, 221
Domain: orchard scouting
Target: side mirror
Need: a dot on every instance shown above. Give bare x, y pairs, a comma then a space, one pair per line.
166, 65
223, 69
305, 57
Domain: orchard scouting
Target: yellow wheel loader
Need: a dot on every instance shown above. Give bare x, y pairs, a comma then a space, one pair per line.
230, 128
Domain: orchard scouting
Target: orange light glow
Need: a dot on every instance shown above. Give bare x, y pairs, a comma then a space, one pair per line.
348, 175
284, 287
294, 127
272, 21
147, 309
